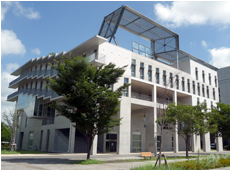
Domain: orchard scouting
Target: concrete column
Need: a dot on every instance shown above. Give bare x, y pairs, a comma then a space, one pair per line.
94, 146
151, 131
219, 144
124, 131
72, 138
206, 142
175, 135
154, 94
194, 143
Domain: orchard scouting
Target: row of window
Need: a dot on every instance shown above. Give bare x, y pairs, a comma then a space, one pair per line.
30, 85
171, 82
203, 77
198, 102
38, 68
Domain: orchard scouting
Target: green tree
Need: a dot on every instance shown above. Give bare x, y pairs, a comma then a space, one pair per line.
88, 99
5, 133
190, 120
221, 117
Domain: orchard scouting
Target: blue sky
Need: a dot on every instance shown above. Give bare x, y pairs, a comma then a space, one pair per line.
34, 29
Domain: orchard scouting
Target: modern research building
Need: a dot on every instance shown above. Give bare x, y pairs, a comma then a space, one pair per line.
151, 69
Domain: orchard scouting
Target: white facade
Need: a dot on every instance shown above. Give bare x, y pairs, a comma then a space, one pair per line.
41, 130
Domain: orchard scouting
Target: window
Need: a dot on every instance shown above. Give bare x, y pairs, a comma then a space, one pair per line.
177, 82
198, 100
203, 76
31, 85
211, 104
133, 68
207, 92
157, 76
164, 77
210, 79
142, 70
214, 95
215, 81
182, 83
35, 68
125, 93
198, 88
171, 80
150, 73
36, 84
41, 84
136, 142
46, 67
196, 73
41, 67
31, 139
193, 87
188, 85
203, 93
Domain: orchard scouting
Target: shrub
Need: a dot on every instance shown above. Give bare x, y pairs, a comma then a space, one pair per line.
224, 162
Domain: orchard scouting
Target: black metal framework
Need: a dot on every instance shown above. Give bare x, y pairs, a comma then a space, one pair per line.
164, 42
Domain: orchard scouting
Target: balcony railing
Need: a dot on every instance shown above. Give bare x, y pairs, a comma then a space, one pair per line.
33, 74
141, 96
38, 93
96, 57
164, 101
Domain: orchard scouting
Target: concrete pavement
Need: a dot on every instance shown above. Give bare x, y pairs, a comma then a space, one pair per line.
55, 161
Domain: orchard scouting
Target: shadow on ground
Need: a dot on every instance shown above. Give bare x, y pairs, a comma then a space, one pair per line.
39, 160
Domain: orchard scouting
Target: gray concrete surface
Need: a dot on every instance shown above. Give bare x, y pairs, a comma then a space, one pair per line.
55, 161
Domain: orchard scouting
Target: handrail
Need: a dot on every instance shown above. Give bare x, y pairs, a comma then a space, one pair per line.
141, 96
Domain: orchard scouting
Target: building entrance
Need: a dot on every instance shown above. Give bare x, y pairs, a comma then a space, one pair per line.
111, 142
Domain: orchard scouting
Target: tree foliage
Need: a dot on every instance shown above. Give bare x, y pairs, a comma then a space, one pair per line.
190, 120
88, 99
221, 117
5, 133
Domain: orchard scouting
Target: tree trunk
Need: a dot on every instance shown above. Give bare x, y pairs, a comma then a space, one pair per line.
187, 145
89, 145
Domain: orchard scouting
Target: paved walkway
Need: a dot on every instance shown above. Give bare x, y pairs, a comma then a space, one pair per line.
55, 161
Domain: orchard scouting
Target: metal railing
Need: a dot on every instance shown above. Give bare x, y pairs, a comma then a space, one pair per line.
33, 74
96, 57
40, 93
141, 96
164, 101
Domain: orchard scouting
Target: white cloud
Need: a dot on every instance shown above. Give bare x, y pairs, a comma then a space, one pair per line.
27, 12
194, 13
36, 51
5, 6
11, 44
204, 44
18, 10
6, 78
220, 57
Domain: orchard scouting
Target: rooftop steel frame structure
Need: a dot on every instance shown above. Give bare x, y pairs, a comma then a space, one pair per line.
164, 43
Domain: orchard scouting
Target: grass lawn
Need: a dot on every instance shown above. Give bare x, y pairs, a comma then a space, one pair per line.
5, 151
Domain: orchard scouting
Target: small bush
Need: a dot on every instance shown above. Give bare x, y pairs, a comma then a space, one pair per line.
224, 162
227, 147
89, 161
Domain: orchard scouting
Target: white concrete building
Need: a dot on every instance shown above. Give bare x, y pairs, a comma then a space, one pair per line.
149, 70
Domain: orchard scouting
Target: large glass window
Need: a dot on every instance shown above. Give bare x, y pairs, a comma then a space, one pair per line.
214, 95
188, 85
193, 87
31, 140
210, 79
125, 93
164, 77
177, 82
196, 73
141, 49
150, 73
203, 93
198, 100
171, 80
215, 81
207, 92
136, 142
142, 70
182, 83
203, 76
157, 76
133, 68
198, 88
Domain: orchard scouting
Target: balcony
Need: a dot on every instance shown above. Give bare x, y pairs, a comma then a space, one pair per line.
32, 75
164, 101
39, 93
141, 96
96, 58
